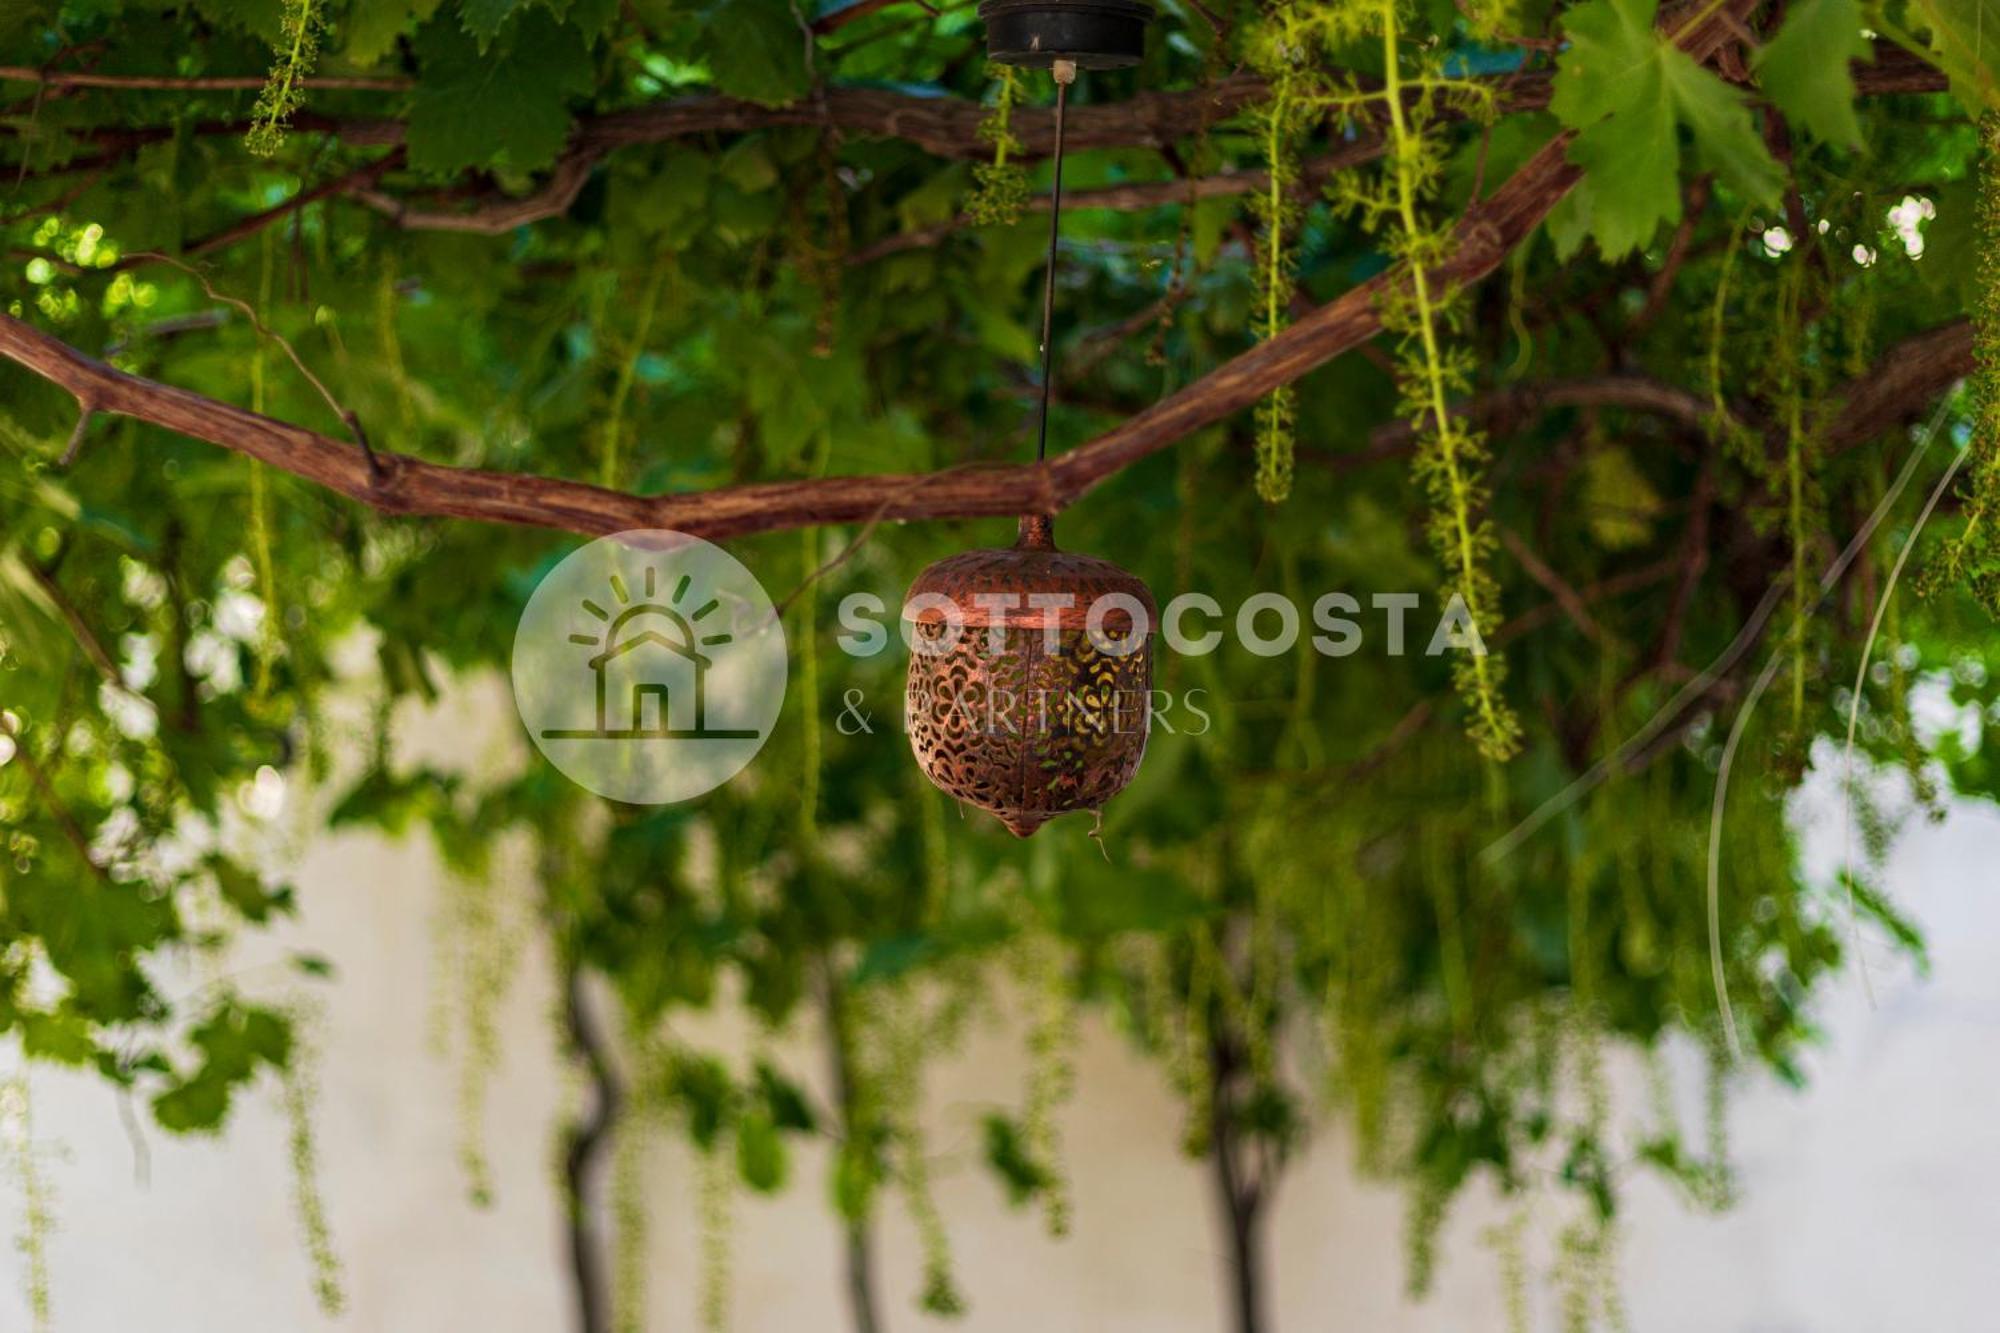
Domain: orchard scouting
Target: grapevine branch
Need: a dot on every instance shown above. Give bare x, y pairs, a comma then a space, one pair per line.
1919, 368
1907, 376
1142, 195
202, 84
398, 484
1504, 407
942, 126
949, 127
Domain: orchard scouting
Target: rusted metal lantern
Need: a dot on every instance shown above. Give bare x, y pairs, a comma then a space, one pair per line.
1031, 672
1031, 669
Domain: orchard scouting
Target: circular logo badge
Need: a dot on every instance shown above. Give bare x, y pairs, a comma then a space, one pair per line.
649, 667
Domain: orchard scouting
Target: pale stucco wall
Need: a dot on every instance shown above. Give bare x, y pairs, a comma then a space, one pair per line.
1869, 1200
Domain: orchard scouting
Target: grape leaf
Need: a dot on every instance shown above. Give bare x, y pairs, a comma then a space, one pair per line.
1569, 223
233, 1042
1626, 90
760, 1154
22, 17
262, 18
591, 17
755, 50
372, 26
1962, 48
485, 18
1804, 69
1725, 138
1631, 165
511, 102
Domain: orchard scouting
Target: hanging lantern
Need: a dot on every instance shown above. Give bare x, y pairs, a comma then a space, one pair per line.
1031, 669
1031, 672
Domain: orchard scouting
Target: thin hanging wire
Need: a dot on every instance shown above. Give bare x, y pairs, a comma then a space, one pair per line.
1065, 73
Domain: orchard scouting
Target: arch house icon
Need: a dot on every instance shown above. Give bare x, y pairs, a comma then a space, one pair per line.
678, 693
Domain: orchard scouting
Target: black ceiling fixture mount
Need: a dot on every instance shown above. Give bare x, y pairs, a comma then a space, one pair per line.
1090, 34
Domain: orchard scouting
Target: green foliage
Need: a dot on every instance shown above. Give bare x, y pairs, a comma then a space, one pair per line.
1805, 68
302, 1143
1626, 89
1452, 454
284, 94
1006, 1152
1301, 915
233, 1042
1972, 557
715, 1191
1960, 46
755, 50
1051, 1073
631, 1218
1000, 186
485, 18
21, 1157
1282, 50
507, 104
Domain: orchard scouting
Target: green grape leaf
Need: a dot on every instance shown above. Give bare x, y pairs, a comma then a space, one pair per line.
1620, 501
60, 1037
1965, 44
508, 104
485, 18
702, 1087
1008, 1155
1725, 138
313, 965
760, 1156
784, 1101
1805, 68
755, 50
234, 1042
244, 890
1627, 91
262, 18
1631, 168
21, 17
1569, 223
371, 28
1613, 54
591, 17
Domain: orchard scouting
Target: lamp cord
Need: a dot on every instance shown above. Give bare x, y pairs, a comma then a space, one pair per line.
1064, 72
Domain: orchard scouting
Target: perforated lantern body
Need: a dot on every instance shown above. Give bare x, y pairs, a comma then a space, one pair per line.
1045, 721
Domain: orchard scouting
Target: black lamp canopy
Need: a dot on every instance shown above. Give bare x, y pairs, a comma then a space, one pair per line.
1091, 34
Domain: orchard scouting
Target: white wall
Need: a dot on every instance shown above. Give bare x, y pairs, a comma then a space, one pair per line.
1869, 1201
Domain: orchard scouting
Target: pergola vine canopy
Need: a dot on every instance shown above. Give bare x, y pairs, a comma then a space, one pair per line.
1661, 340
